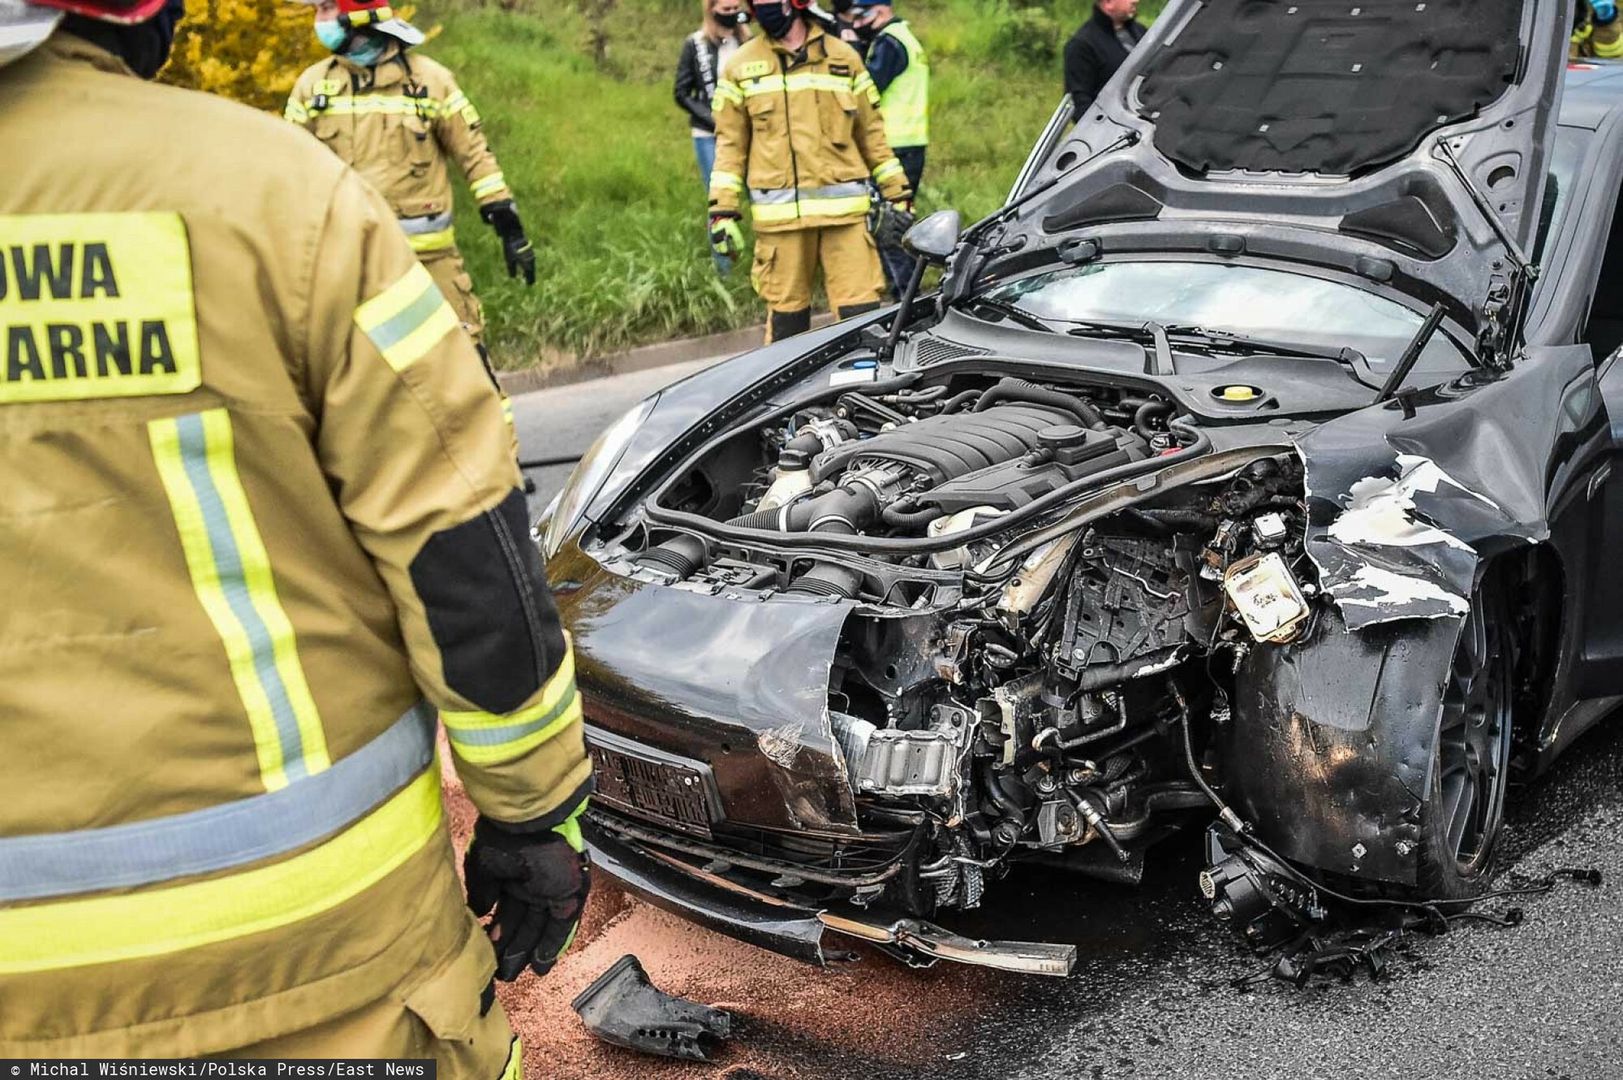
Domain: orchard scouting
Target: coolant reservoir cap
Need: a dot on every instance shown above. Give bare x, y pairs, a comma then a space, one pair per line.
1061, 436
1239, 393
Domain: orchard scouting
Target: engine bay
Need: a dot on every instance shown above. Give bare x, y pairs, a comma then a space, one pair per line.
1051, 587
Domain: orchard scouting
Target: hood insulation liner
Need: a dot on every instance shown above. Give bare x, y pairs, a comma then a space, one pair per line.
1333, 88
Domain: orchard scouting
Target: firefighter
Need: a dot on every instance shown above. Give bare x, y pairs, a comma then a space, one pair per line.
798, 125
397, 116
260, 524
1597, 30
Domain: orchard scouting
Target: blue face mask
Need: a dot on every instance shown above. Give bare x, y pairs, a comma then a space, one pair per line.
363, 50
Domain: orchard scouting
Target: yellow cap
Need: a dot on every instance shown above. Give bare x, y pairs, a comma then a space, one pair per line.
1239, 393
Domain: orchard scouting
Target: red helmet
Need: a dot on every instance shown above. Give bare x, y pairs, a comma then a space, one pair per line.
376, 15
114, 11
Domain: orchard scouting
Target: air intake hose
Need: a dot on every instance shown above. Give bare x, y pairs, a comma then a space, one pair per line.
1021, 390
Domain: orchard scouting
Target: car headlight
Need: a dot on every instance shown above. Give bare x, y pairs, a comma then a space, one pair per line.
587, 479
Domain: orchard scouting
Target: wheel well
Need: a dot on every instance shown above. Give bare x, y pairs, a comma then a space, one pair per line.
1535, 583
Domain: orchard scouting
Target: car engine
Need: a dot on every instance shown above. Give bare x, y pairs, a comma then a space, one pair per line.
1044, 632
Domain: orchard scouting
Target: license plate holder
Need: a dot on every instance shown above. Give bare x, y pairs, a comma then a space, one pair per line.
667, 789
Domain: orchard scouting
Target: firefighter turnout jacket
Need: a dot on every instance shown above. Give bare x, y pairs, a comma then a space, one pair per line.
261, 521
1592, 38
803, 133
400, 124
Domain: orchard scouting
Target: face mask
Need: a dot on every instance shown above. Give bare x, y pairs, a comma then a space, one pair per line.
867, 31
144, 46
368, 52
774, 20
332, 35
740, 17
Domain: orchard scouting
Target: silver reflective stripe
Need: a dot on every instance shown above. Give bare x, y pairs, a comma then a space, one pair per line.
220, 837
420, 226
779, 196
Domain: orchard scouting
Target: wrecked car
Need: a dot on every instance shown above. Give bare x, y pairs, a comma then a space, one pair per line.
1252, 470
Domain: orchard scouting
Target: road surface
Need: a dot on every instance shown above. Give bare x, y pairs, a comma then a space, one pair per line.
1151, 997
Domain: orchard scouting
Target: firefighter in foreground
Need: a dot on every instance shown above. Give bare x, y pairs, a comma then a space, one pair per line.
798, 125
260, 523
397, 117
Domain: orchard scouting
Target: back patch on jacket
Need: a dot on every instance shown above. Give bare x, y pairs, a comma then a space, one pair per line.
96, 306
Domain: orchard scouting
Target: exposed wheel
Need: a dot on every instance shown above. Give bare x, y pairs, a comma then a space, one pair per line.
1470, 765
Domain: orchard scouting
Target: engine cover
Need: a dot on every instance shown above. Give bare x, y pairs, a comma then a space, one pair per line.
946, 447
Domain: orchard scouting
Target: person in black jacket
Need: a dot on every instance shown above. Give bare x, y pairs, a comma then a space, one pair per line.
1100, 47
703, 53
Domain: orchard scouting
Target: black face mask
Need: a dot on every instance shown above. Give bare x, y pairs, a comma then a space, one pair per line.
866, 31
741, 17
144, 46
774, 20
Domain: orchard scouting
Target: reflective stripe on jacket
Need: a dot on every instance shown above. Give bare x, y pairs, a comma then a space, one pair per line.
261, 521
803, 136
905, 103
399, 124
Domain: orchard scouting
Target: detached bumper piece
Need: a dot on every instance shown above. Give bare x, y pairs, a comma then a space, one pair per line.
624, 1008
921, 944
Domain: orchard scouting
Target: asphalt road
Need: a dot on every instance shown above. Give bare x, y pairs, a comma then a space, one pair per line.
1151, 996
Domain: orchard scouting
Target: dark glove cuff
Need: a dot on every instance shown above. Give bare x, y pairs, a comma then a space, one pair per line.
548, 821
503, 217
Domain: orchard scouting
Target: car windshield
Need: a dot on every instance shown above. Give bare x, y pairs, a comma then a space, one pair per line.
1241, 300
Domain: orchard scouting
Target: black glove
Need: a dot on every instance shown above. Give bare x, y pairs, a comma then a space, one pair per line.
516, 247
537, 884
891, 223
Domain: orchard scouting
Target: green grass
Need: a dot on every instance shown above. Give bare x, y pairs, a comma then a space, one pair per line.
603, 166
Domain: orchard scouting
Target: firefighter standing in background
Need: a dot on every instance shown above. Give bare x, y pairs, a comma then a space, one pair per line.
260, 523
397, 117
798, 125
901, 73
1598, 31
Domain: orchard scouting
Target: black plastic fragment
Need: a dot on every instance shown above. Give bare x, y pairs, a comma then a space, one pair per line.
624, 1008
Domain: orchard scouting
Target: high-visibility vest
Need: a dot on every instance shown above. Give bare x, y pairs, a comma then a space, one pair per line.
906, 101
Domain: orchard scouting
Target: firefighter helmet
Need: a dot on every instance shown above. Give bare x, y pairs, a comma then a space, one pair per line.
376, 15
25, 24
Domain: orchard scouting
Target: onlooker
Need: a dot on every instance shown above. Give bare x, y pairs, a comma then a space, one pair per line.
1099, 48
901, 73
703, 53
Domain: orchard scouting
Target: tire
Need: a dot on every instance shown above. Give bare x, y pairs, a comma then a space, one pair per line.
1464, 813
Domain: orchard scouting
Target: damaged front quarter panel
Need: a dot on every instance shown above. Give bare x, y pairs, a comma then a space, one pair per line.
1332, 735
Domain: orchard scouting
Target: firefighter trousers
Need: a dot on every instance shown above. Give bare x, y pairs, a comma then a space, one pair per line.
785, 270
445, 266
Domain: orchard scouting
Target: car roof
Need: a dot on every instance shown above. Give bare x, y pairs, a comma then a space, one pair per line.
1591, 90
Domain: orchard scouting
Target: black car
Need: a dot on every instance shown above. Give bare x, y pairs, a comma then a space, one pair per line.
1251, 470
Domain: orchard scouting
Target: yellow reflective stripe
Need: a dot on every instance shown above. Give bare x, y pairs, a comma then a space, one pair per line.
157, 922
407, 319
515, 1061
296, 112
487, 738
726, 92
1607, 49
231, 574
434, 241
487, 186
725, 181
382, 104
854, 205
456, 102
863, 84
777, 84
887, 169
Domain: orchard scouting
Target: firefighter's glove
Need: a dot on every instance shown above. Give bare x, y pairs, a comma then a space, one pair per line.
536, 883
1605, 11
516, 247
726, 238
892, 222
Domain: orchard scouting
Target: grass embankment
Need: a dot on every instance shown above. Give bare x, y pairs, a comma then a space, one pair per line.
603, 166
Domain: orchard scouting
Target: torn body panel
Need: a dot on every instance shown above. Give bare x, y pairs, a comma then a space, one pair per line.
1401, 509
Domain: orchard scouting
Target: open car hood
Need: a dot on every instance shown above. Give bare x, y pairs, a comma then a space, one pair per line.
1401, 141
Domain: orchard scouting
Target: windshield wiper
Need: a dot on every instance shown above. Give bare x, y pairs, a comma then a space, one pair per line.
1224, 341
1014, 314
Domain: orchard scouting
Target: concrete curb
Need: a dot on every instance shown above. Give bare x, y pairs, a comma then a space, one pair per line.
663, 354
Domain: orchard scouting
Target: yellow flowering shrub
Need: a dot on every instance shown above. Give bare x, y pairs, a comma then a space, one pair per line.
249, 51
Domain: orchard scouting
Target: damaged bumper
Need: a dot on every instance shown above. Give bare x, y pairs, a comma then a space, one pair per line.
705, 896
